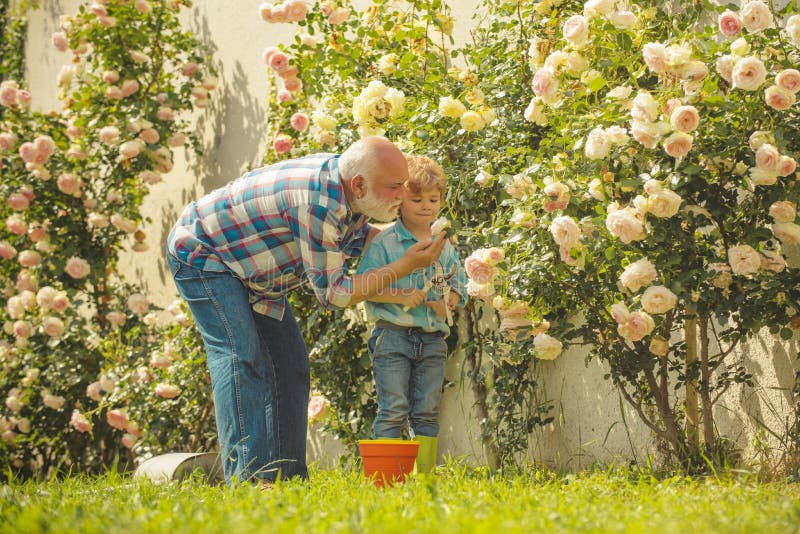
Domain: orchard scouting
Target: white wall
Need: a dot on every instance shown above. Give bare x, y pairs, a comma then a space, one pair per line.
589, 422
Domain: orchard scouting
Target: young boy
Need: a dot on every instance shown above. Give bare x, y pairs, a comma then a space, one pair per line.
407, 345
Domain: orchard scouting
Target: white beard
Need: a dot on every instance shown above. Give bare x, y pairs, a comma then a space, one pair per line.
375, 208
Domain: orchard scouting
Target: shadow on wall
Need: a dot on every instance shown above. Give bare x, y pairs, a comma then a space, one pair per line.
230, 132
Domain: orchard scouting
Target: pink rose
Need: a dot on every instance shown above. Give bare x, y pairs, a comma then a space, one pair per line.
80, 422
29, 258
167, 391
77, 268
116, 318
22, 329
282, 144
7, 140
678, 144
546, 347
113, 92
478, 270
7, 251
110, 76
27, 152
129, 440
338, 15
767, 157
93, 391
69, 184
60, 41
52, 326
292, 84
117, 419
317, 408
16, 225
109, 134
149, 136
130, 149
268, 52
786, 166
284, 95
45, 296
576, 30
165, 113
788, 79
129, 87
18, 202
779, 98
729, 23
60, 302
744, 260
160, 361
296, 10
639, 325
278, 61
544, 84
685, 118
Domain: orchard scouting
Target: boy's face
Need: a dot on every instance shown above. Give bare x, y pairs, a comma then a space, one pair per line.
421, 209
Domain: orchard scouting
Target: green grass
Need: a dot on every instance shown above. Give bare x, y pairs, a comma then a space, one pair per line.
457, 500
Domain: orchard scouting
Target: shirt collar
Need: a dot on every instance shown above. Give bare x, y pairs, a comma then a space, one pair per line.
403, 233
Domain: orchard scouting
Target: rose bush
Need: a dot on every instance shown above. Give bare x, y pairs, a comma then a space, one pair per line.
75, 373
609, 138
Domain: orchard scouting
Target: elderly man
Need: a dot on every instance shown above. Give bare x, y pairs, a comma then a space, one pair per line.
235, 254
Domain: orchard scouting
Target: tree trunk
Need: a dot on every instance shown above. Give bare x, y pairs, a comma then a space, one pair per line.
690, 406
473, 353
667, 417
705, 387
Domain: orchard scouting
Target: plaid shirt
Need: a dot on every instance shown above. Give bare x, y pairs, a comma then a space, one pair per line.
274, 228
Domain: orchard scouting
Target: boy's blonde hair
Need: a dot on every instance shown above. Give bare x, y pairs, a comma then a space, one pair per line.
424, 173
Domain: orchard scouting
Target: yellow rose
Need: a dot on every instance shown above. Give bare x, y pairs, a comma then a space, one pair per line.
471, 121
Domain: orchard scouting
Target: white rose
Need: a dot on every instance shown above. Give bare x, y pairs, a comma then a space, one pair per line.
645, 108
625, 225
547, 347
664, 203
565, 230
655, 56
756, 16
598, 145
783, 211
451, 108
744, 259
658, 299
787, 232
749, 73
725, 67
793, 29
685, 118
623, 20
638, 274
576, 30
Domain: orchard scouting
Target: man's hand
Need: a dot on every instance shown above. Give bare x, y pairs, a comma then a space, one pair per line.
422, 254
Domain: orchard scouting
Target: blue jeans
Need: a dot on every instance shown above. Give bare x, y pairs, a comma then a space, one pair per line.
259, 374
408, 365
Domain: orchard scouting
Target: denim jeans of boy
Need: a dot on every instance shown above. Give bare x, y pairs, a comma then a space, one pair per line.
259, 374
408, 365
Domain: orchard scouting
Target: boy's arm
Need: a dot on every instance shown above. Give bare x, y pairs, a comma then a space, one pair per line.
411, 297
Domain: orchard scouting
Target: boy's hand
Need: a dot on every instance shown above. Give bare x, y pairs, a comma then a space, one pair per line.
438, 307
411, 297
453, 299
422, 254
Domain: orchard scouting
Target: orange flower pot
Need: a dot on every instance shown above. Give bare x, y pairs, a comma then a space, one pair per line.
387, 461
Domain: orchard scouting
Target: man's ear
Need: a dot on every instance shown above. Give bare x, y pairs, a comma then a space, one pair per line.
358, 186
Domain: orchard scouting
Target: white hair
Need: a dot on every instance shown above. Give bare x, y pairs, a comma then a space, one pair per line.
360, 158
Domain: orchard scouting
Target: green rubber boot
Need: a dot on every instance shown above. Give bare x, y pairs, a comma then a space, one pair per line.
426, 457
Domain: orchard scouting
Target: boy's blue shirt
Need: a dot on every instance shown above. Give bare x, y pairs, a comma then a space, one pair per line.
388, 246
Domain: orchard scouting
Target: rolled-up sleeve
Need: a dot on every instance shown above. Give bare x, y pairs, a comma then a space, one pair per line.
317, 234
